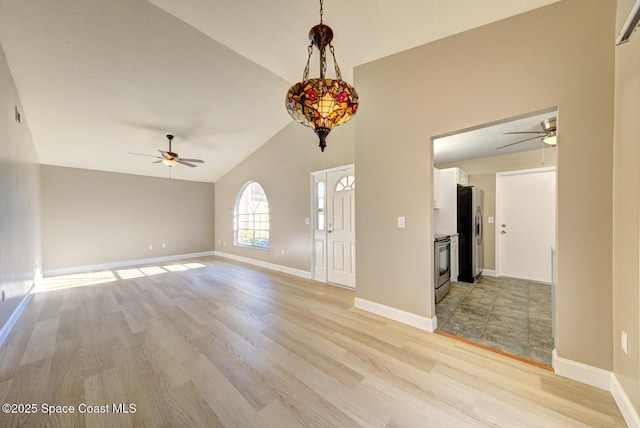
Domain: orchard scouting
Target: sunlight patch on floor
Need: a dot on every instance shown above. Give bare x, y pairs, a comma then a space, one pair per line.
95, 278
76, 280
152, 270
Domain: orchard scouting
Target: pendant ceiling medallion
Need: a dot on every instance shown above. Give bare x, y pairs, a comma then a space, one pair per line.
322, 103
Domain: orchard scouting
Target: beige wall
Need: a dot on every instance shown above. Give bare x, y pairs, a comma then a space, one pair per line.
283, 167
560, 55
482, 174
95, 217
19, 200
626, 209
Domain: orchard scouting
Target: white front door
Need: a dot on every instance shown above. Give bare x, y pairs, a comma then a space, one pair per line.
526, 223
341, 236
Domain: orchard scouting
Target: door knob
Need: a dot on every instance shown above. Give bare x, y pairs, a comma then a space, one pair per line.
503, 232
504, 225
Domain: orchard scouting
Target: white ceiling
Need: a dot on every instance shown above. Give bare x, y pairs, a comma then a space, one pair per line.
484, 141
100, 79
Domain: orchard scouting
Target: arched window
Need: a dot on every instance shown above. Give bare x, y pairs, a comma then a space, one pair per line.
348, 182
251, 217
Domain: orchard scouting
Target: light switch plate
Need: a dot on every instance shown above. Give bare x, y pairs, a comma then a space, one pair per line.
490, 220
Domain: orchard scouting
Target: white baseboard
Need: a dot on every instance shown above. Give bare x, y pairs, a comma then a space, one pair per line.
279, 268
124, 263
599, 378
8, 326
489, 272
581, 372
629, 412
423, 323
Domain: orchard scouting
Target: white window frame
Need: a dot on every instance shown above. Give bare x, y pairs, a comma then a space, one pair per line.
257, 221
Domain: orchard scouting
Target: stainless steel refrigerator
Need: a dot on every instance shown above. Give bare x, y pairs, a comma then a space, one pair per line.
470, 242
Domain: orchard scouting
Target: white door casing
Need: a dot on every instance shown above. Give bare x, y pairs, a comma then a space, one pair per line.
525, 223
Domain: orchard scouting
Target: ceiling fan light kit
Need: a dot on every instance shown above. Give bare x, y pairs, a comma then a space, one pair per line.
322, 103
551, 139
549, 128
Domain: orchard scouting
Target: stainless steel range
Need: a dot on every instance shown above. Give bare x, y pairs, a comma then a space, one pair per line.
442, 266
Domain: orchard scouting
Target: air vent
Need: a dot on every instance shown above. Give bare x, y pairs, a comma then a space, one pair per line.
17, 116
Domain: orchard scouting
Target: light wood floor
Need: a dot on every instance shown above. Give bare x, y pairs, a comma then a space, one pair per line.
210, 342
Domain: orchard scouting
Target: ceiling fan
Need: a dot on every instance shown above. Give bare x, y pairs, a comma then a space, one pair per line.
548, 133
171, 158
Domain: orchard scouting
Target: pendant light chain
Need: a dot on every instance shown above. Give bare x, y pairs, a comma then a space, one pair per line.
322, 103
335, 63
305, 75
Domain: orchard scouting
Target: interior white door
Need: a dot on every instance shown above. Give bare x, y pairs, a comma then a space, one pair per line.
526, 223
341, 234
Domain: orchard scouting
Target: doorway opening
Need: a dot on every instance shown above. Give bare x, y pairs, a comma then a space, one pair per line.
509, 305
333, 231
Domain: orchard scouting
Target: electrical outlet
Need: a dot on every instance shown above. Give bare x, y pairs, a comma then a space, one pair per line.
150, 247
282, 252
401, 222
164, 245
624, 342
219, 241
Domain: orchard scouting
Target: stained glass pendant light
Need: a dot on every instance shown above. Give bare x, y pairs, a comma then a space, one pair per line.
322, 103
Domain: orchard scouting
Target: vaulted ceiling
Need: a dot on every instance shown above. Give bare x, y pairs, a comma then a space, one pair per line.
100, 79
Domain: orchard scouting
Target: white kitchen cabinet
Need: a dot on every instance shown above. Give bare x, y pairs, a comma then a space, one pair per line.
462, 178
446, 216
446, 191
436, 189
454, 258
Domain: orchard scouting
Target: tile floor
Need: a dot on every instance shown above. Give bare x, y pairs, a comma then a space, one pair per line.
507, 314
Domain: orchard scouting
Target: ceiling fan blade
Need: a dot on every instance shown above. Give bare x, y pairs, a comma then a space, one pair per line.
524, 132
517, 142
192, 160
140, 154
181, 161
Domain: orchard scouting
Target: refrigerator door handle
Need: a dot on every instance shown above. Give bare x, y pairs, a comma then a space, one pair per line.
478, 225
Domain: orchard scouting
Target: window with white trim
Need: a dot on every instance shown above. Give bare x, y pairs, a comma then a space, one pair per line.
348, 182
251, 217
320, 209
